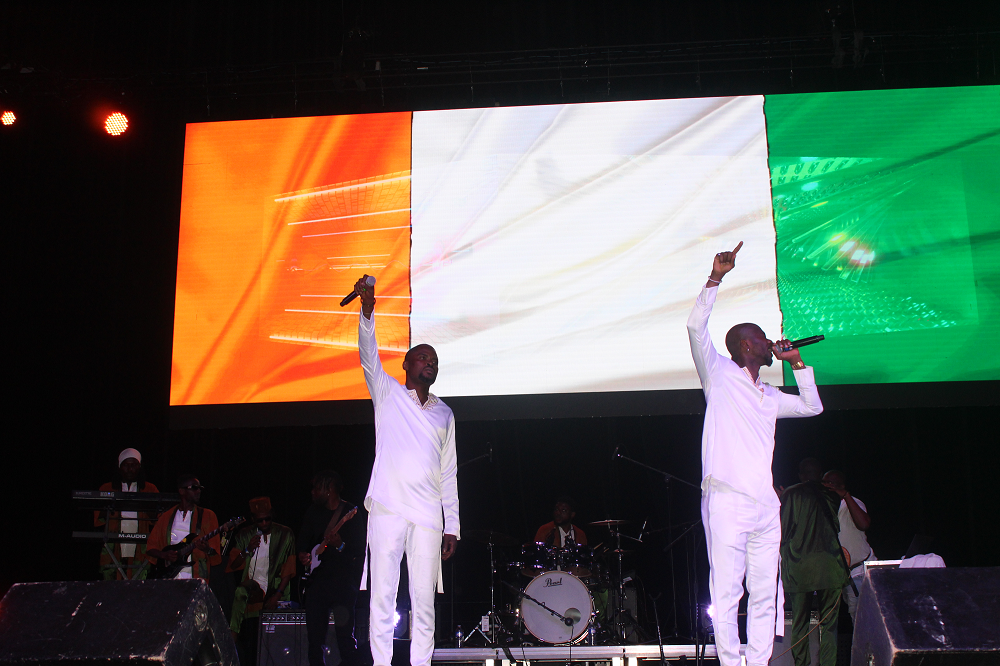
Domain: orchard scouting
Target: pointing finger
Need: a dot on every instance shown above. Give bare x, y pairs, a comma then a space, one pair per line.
738, 247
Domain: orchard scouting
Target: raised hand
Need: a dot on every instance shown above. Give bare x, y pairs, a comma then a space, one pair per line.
723, 263
840, 490
367, 294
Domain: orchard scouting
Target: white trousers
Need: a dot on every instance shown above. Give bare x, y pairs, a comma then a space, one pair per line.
389, 536
743, 539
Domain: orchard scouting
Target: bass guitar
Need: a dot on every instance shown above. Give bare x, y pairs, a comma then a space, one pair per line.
165, 570
321, 547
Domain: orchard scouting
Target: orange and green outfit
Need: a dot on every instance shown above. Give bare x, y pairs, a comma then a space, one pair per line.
132, 565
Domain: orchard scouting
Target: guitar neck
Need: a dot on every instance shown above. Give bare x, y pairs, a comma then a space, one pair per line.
326, 539
188, 549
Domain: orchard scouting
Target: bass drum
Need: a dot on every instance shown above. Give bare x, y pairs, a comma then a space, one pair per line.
564, 593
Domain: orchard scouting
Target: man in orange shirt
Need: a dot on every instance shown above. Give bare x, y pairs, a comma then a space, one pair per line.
179, 521
561, 532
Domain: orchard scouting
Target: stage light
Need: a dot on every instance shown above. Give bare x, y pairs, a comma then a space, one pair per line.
116, 124
8, 118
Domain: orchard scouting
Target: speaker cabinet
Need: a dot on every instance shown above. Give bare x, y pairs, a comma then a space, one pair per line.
282, 639
114, 623
928, 617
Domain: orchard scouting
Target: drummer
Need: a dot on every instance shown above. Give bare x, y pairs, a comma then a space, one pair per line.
561, 532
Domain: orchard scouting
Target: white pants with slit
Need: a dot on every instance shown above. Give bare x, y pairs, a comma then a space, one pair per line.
743, 538
389, 536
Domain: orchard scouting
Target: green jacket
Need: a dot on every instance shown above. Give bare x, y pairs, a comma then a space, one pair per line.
811, 558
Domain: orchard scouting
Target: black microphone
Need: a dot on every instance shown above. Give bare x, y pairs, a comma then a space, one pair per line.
354, 294
811, 340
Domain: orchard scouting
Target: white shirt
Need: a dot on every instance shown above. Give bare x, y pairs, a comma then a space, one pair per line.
851, 538
260, 562
737, 442
179, 529
414, 475
566, 535
129, 521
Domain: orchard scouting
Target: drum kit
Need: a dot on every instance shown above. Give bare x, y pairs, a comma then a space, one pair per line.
541, 594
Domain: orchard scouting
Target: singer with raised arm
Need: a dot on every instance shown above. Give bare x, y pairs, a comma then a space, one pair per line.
739, 507
412, 497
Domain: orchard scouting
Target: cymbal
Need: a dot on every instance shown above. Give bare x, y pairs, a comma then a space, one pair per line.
609, 523
490, 536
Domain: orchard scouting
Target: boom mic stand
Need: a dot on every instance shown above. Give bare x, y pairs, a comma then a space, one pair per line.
487, 455
667, 478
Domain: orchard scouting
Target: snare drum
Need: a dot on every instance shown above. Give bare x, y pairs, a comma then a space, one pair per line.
565, 594
536, 557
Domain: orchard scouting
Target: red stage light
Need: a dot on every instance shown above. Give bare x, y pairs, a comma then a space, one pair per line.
8, 118
116, 124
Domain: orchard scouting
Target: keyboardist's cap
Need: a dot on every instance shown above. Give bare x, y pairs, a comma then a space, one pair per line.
129, 453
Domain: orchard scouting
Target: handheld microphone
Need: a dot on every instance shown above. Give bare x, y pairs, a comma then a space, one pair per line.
354, 294
811, 340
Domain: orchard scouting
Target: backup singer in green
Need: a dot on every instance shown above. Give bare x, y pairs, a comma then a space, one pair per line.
812, 561
265, 552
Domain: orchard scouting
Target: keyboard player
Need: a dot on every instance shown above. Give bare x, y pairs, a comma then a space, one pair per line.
131, 556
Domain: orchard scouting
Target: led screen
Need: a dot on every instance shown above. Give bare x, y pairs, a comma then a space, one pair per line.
557, 249
887, 211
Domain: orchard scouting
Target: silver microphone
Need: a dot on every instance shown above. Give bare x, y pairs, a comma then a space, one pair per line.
354, 294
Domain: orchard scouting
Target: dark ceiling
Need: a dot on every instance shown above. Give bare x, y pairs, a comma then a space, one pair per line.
251, 59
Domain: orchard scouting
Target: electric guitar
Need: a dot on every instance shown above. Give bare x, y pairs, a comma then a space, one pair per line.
165, 570
321, 547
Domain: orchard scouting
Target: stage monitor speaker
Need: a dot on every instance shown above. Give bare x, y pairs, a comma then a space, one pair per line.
114, 623
282, 639
928, 617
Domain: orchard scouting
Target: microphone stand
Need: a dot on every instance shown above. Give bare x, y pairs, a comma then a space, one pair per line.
488, 454
568, 621
667, 478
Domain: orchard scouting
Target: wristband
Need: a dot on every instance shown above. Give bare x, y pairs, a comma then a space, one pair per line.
340, 549
715, 281
798, 365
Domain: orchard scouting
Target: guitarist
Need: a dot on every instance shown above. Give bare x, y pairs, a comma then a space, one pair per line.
181, 520
333, 585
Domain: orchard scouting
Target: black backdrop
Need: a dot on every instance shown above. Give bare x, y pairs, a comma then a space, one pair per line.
90, 246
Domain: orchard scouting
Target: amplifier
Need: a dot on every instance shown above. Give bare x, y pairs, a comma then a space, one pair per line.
282, 639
